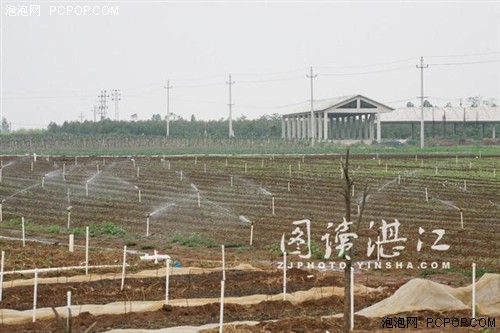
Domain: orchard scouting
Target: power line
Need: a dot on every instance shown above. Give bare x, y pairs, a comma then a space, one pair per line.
102, 103
365, 73
462, 55
466, 63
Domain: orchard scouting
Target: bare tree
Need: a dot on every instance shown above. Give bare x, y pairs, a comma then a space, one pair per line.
348, 256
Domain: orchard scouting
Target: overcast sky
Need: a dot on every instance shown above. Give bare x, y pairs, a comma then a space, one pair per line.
54, 65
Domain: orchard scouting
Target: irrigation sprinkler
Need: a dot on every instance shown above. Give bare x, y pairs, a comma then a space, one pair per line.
139, 194
298, 165
168, 165
473, 290
71, 243
231, 181
494, 173
223, 264
156, 256
352, 192
273, 204
196, 160
35, 291
421, 163
64, 172
34, 157
2, 263
399, 179
426, 195
181, 175
288, 186
359, 210
69, 215
226, 162
76, 160
436, 170
456, 159
167, 280
138, 171
462, 218
303, 156
31, 166
465, 185
416, 157
284, 275
103, 161
87, 188
262, 163
1, 210
68, 195
470, 165
133, 161
97, 167
86, 250
379, 162
43, 181
289, 170
23, 231
123, 266
386, 167
147, 225
1, 171
246, 167
199, 199
221, 322
204, 168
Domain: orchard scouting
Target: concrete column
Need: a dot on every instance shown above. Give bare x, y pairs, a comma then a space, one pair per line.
294, 127
319, 124
366, 127
282, 127
344, 128
330, 131
289, 128
379, 128
299, 127
360, 127
372, 127
325, 126
304, 127
493, 131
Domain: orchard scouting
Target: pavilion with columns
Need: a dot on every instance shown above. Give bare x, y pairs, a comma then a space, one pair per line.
347, 118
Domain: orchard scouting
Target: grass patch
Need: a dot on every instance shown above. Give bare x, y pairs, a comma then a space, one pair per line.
192, 240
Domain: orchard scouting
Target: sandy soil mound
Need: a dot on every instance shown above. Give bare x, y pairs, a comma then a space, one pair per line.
420, 294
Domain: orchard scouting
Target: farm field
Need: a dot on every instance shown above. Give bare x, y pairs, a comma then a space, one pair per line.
188, 206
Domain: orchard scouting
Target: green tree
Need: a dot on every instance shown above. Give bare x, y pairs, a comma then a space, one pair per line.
5, 126
156, 117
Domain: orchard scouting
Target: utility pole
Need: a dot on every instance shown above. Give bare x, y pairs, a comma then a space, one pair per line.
312, 131
422, 67
116, 96
95, 112
231, 132
168, 87
102, 104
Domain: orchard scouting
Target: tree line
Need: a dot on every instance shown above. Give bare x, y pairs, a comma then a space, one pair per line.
267, 126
